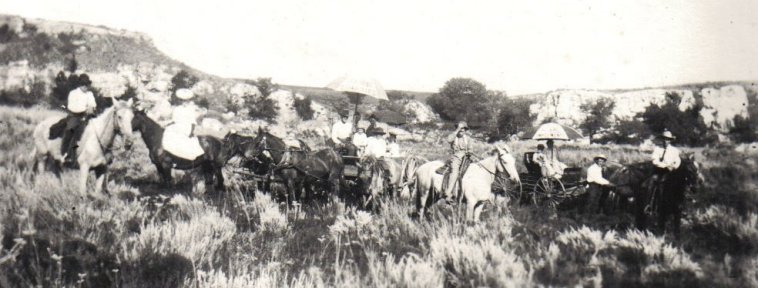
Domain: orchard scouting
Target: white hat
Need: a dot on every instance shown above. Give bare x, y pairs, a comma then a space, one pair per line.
601, 156
184, 94
667, 134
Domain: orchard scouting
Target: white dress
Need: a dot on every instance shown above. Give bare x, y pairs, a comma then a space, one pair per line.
176, 138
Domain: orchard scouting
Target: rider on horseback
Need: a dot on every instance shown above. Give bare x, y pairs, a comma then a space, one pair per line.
460, 143
179, 137
665, 159
599, 186
81, 106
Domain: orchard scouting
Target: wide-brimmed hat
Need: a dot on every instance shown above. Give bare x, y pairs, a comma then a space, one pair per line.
600, 156
184, 94
84, 80
376, 131
462, 125
667, 135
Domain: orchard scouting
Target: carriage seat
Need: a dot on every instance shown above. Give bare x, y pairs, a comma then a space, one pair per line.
533, 168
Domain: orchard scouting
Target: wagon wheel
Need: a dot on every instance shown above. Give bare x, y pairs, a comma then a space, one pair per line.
548, 192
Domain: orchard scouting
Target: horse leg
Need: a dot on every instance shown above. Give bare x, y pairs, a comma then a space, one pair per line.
83, 175
219, 179
164, 171
478, 208
101, 179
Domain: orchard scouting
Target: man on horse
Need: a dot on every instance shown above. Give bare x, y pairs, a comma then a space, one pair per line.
460, 143
81, 106
341, 132
599, 187
665, 158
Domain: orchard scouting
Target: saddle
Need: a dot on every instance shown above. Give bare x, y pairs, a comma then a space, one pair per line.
445, 171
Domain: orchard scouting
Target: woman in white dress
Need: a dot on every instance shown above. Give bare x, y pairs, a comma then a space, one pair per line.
179, 138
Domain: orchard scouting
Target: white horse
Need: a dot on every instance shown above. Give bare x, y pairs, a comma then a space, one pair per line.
94, 145
407, 177
476, 182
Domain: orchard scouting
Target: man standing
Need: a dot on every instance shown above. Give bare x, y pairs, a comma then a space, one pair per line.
599, 187
81, 105
460, 144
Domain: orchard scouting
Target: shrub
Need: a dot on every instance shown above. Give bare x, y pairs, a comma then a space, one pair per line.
598, 116
514, 117
21, 97
743, 130
303, 108
462, 99
687, 126
183, 79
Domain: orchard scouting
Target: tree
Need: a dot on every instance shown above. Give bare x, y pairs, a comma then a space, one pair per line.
743, 130
462, 99
263, 107
401, 96
514, 116
183, 79
627, 132
686, 125
303, 108
598, 116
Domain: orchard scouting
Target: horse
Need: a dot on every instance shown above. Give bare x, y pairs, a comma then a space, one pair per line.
377, 176
475, 184
406, 176
217, 152
320, 169
668, 201
93, 151
264, 157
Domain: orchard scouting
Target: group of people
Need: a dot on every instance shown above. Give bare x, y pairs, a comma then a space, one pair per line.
371, 141
665, 157
81, 106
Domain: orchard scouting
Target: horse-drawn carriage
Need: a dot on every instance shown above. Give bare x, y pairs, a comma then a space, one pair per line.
546, 191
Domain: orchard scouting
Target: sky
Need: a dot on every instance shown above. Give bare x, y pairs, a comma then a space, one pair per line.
514, 46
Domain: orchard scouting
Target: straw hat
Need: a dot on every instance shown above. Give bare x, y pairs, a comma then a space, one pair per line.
600, 156
184, 94
667, 135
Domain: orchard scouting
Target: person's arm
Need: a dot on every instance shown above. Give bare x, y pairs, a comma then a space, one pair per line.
335, 133
595, 175
656, 156
452, 136
91, 103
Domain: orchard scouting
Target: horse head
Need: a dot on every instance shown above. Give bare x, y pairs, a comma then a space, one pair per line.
690, 174
124, 116
372, 175
506, 162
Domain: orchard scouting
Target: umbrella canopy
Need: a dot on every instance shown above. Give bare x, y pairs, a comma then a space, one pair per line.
553, 131
364, 86
390, 117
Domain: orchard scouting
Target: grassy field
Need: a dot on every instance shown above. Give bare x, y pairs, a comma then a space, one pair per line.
141, 236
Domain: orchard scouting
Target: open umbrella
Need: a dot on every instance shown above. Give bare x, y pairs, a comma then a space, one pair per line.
553, 131
356, 88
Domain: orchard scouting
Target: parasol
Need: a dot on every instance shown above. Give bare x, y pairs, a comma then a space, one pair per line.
553, 131
356, 88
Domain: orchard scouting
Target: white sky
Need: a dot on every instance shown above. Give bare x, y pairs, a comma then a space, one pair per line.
519, 47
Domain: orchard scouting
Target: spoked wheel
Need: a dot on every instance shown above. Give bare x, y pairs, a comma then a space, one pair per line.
548, 192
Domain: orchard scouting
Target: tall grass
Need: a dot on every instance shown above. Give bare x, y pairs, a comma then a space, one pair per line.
142, 236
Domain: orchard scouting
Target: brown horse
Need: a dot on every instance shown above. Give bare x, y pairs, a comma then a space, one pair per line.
217, 152
665, 202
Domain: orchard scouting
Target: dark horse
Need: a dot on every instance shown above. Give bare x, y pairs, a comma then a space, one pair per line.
303, 171
217, 152
668, 201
